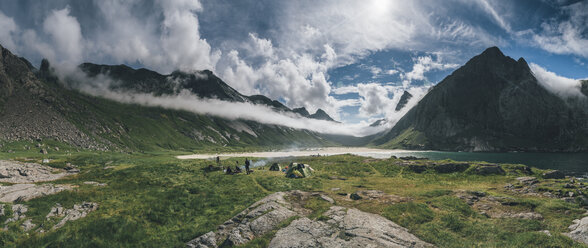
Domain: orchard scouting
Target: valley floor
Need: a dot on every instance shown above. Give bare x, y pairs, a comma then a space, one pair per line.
157, 200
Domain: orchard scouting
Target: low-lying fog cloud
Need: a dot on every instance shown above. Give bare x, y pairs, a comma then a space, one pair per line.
561, 86
185, 100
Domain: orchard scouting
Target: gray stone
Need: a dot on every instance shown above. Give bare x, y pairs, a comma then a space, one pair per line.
527, 180
345, 228
19, 172
25, 192
490, 170
27, 225
340, 227
77, 212
554, 174
579, 230
328, 199
258, 219
18, 212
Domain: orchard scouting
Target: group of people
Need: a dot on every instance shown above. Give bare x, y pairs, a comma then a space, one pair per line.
237, 169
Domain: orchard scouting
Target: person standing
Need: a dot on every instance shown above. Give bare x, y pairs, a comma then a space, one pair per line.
247, 163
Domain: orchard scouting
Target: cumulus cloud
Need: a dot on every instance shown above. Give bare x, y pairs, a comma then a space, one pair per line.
289, 62
422, 65
374, 99
297, 79
561, 86
7, 31
66, 35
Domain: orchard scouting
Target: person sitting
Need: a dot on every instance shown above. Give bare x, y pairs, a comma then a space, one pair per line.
229, 171
238, 169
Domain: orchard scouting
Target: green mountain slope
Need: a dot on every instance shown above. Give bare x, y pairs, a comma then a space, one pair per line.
37, 108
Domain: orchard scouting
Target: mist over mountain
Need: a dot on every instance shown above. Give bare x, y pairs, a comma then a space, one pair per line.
35, 106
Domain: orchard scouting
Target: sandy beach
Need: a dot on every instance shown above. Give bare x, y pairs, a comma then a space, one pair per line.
326, 151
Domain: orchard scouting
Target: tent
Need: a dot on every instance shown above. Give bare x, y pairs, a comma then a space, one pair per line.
275, 167
296, 170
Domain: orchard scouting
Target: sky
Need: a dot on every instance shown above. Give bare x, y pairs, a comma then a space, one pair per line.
353, 59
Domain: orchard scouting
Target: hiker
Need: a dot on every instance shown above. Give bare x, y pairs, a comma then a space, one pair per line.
217, 161
229, 171
247, 163
238, 169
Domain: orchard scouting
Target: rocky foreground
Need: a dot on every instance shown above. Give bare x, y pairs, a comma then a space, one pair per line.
337, 227
23, 176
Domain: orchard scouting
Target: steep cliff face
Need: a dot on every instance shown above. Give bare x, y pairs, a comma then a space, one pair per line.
492, 103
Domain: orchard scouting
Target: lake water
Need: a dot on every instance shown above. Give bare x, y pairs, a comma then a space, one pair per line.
570, 163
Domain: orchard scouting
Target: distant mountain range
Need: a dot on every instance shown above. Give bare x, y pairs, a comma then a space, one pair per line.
492, 103
36, 107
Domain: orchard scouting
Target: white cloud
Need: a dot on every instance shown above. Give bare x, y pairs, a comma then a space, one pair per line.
561, 86
66, 35
567, 36
422, 65
186, 101
392, 72
7, 31
374, 99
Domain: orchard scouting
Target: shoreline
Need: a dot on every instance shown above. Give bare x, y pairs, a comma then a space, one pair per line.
326, 151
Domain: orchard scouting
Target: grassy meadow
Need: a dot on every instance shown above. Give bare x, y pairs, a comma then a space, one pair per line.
156, 200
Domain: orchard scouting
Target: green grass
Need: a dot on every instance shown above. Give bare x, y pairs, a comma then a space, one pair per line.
155, 200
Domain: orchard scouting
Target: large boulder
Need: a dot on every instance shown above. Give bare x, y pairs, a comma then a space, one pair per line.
451, 167
554, 174
489, 169
579, 230
338, 227
345, 227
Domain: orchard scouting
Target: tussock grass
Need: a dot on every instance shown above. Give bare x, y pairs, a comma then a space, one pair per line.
155, 200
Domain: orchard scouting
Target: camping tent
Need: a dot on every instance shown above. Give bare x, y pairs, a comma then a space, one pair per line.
296, 170
275, 167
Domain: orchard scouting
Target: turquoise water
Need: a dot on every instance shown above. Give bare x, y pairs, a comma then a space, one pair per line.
571, 163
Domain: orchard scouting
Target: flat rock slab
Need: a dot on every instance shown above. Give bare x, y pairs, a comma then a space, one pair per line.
19, 172
579, 230
25, 192
346, 227
339, 226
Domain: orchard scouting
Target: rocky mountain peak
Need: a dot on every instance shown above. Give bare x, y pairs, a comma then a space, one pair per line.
301, 111
406, 96
321, 115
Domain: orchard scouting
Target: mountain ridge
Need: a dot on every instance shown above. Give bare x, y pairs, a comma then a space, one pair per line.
35, 107
492, 103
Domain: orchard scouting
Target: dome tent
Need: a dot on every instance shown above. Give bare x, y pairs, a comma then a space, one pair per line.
297, 170
275, 167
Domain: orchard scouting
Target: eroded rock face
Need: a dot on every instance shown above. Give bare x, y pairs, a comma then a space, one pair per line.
18, 172
579, 230
25, 192
338, 227
77, 212
260, 218
346, 228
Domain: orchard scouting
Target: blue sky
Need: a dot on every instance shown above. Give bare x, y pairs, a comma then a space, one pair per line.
350, 58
